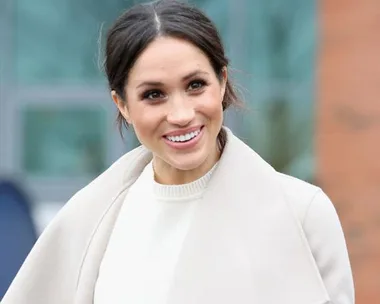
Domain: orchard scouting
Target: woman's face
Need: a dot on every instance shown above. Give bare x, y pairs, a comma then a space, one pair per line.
174, 103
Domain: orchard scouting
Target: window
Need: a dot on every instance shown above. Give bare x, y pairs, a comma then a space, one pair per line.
61, 142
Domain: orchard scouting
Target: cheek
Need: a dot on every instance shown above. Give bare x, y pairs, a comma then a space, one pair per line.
145, 120
212, 104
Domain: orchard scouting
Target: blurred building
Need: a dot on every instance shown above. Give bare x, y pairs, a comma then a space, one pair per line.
307, 71
348, 130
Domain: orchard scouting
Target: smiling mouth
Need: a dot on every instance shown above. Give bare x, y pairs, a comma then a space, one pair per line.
184, 137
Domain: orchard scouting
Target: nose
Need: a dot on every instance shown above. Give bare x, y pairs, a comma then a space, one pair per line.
181, 112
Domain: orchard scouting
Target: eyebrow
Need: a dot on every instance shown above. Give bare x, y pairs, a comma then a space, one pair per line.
185, 78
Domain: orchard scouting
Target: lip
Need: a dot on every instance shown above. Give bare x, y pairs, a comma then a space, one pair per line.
183, 131
188, 145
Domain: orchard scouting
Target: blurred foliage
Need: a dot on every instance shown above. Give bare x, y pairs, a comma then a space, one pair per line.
281, 49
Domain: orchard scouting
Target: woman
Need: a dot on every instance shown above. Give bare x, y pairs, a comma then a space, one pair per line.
193, 215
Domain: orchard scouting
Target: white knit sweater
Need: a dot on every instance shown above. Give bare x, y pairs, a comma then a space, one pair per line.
149, 231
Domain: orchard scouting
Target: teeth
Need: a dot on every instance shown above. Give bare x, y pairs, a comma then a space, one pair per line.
184, 137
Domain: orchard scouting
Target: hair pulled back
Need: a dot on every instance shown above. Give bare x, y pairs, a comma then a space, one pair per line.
136, 28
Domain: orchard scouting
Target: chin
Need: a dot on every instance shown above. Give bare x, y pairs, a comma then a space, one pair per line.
188, 162
186, 165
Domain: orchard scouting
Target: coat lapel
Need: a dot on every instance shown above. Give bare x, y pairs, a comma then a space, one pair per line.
135, 163
95, 252
245, 245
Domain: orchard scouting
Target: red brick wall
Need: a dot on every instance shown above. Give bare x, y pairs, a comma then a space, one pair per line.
348, 130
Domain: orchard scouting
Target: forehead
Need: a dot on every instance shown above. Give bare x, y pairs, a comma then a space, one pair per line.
169, 56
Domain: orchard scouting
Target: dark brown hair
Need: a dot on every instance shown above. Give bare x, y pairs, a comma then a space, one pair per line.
140, 25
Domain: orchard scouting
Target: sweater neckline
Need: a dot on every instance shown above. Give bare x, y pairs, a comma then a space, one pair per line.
188, 190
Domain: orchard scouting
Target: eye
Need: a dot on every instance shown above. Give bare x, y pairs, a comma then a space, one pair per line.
153, 94
196, 85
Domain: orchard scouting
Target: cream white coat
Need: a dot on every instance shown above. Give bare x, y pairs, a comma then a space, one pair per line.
259, 237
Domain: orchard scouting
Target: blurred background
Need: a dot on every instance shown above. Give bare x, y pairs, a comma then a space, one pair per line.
308, 71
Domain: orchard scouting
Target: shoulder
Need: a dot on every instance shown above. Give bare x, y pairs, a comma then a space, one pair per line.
304, 197
250, 167
90, 202
75, 223
298, 194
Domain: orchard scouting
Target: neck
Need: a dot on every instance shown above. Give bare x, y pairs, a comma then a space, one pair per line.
169, 175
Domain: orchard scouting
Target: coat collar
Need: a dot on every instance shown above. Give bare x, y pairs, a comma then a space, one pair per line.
244, 217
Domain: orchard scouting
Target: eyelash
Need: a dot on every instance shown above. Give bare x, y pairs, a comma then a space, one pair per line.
200, 81
147, 94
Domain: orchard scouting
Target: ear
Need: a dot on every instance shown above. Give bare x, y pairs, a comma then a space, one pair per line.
223, 81
121, 105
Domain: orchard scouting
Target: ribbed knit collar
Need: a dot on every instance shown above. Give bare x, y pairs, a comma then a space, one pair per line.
188, 190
